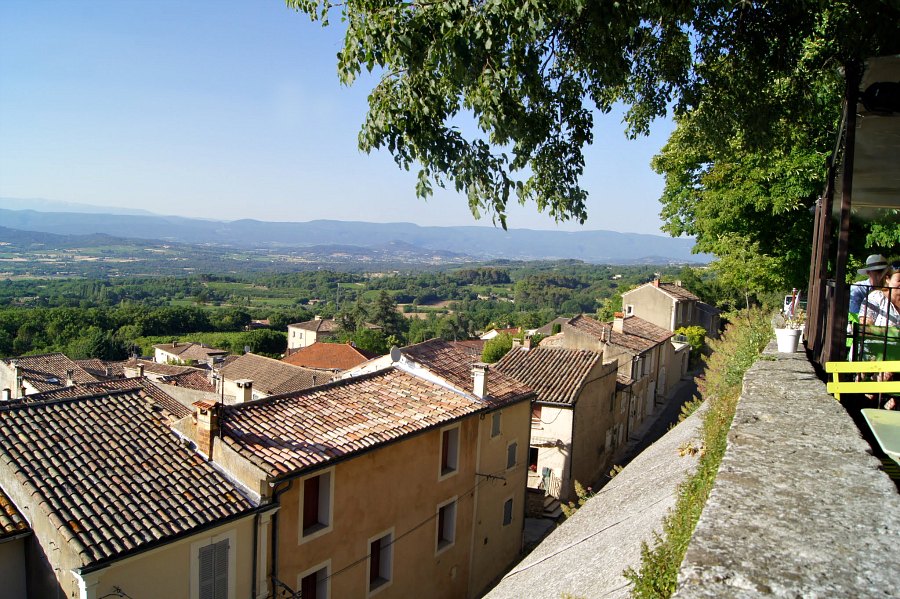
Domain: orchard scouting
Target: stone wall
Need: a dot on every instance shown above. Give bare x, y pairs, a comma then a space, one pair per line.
800, 508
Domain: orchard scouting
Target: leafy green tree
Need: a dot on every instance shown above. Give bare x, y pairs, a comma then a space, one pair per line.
696, 338
384, 314
743, 266
532, 75
496, 348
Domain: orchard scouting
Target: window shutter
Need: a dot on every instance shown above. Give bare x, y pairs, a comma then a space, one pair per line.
214, 571
221, 566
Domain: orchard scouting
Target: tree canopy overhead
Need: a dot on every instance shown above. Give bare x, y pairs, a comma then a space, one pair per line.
535, 73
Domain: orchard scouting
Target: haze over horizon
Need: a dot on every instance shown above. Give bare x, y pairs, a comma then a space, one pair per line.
232, 111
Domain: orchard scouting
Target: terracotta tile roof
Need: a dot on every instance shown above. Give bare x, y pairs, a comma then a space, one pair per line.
193, 379
287, 434
328, 356
634, 325
11, 521
151, 367
227, 360
175, 409
319, 325
99, 368
185, 350
678, 292
109, 474
273, 377
49, 371
623, 381
473, 347
555, 374
455, 366
603, 332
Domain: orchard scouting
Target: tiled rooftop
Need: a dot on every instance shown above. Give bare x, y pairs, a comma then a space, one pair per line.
455, 366
174, 409
678, 292
555, 374
192, 379
103, 368
11, 521
603, 330
328, 356
473, 347
185, 350
49, 371
634, 325
273, 377
319, 325
287, 434
109, 474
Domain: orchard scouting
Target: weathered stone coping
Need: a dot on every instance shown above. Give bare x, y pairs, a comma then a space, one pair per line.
586, 555
799, 507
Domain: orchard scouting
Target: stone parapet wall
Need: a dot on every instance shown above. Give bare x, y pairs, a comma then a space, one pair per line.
800, 507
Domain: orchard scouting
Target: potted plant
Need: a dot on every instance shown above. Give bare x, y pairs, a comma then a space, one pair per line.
788, 328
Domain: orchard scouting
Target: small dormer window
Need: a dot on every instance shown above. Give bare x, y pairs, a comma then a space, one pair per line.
629, 310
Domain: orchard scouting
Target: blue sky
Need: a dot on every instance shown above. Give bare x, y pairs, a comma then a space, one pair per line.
233, 109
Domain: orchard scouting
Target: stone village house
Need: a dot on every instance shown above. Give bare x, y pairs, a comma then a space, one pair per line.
575, 421
405, 479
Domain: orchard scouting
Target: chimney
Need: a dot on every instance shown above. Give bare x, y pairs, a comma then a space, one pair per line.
7, 394
656, 282
526, 343
480, 376
619, 321
140, 370
174, 343
245, 392
317, 317
678, 283
205, 421
108, 372
70, 378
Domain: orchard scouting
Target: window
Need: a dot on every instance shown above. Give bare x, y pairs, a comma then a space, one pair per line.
495, 424
629, 309
508, 512
536, 416
449, 451
381, 554
316, 505
213, 568
446, 525
533, 459
314, 582
511, 450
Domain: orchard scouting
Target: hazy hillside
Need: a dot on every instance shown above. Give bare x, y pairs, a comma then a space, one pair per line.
483, 242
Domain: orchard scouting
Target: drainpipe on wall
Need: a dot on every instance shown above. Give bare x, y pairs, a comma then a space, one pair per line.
276, 495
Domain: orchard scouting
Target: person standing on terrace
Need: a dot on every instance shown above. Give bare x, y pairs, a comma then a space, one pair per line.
876, 271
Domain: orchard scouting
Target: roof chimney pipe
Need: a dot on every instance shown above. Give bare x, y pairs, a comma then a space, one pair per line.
480, 376
618, 322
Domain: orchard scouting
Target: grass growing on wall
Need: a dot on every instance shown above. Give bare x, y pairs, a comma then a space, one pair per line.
732, 354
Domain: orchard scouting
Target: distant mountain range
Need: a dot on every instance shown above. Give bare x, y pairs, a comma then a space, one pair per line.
483, 243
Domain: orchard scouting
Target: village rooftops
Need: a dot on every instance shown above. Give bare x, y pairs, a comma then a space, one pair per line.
272, 377
185, 350
110, 476
103, 368
157, 368
628, 339
288, 434
151, 393
634, 325
192, 379
557, 375
318, 325
49, 371
328, 356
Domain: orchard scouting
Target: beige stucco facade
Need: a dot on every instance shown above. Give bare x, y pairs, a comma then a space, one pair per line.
395, 491
656, 306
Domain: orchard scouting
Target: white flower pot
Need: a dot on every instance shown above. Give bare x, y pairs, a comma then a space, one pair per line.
788, 340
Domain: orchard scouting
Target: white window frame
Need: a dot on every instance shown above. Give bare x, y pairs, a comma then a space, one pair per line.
231, 536
515, 455
326, 565
629, 309
326, 528
389, 579
453, 450
441, 548
496, 424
